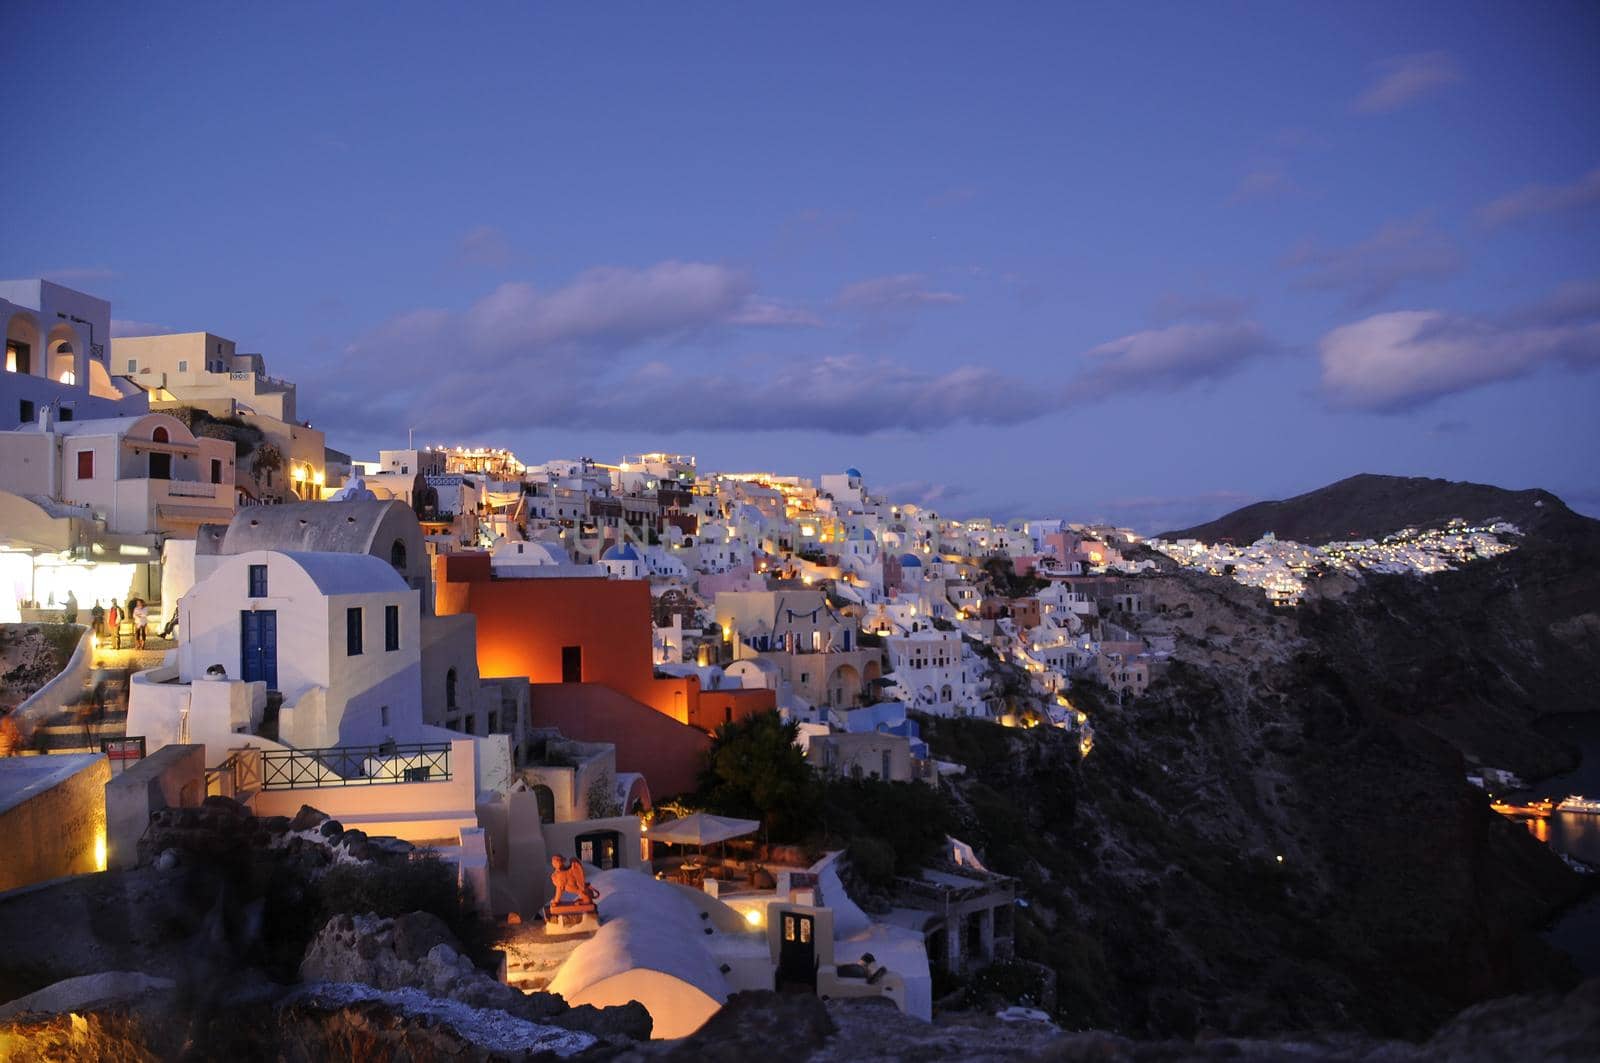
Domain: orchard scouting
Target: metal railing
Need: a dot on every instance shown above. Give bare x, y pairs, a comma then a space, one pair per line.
303, 769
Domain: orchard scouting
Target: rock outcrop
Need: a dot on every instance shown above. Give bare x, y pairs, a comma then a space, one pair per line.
417, 951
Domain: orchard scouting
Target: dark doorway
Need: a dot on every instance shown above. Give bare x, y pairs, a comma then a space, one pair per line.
797, 951
259, 647
546, 800
572, 664
600, 849
160, 466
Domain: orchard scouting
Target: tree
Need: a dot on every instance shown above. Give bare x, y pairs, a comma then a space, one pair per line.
754, 768
601, 798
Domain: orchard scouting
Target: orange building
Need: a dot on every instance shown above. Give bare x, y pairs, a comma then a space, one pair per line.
566, 634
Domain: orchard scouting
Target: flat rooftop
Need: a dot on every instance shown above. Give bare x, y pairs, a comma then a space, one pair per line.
24, 778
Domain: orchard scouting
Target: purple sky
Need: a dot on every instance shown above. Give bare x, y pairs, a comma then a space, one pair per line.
1027, 260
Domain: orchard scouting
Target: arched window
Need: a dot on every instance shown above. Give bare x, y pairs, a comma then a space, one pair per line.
450, 689
397, 555
160, 435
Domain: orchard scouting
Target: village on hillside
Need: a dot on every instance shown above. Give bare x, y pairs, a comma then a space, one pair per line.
526, 666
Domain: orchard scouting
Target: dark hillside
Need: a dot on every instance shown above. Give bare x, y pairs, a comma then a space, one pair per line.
1369, 506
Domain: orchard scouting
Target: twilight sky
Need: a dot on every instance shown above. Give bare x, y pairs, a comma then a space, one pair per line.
1018, 259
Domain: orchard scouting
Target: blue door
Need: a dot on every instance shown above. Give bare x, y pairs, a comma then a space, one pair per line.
258, 656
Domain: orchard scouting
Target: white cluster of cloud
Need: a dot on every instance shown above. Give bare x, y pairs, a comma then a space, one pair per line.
898, 290
1401, 360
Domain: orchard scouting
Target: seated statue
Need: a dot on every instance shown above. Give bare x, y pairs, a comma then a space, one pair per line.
567, 878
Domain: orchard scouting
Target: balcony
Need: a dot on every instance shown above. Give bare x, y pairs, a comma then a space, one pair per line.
307, 769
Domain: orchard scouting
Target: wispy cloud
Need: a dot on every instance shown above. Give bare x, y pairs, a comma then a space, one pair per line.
72, 275
1401, 79
122, 326
484, 246
1394, 362
1170, 358
1398, 255
775, 313
924, 493
1270, 181
1155, 513
1539, 199
952, 197
896, 291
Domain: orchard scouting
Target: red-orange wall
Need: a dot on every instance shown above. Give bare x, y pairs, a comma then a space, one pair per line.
524, 623
668, 754
722, 706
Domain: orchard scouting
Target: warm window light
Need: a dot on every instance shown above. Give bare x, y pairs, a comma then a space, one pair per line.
69, 377
298, 473
317, 478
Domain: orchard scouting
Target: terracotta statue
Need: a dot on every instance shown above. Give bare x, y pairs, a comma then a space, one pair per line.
567, 878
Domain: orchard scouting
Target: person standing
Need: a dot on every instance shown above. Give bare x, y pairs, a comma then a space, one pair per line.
114, 618
141, 622
70, 608
98, 616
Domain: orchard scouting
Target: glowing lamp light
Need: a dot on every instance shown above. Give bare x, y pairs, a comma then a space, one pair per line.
318, 478
753, 917
298, 473
100, 851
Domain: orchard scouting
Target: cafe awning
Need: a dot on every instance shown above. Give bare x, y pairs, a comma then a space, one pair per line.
702, 828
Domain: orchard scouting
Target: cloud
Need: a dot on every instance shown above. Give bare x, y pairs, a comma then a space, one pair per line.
896, 291
1399, 254
484, 246
122, 326
773, 313
1151, 514
1542, 199
1169, 358
1403, 78
1394, 362
80, 275
951, 197
924, 493
1263, 182
1175, 307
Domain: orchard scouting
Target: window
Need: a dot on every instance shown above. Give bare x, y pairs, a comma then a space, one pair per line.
885, 774
86, 465
66, 413
160, 435
25, 412
216, 470
352, 631
470, 724
183, 366
494, 723
450, 689
383, 717
133, 365
397, 555
258, 581
572, 664
391, 628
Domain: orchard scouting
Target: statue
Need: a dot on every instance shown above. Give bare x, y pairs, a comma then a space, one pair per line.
566, 876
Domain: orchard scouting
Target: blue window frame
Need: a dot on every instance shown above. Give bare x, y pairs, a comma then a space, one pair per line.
258, 581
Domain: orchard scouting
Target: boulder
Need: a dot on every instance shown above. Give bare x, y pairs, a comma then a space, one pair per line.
626, 1022
307, 818
331, 829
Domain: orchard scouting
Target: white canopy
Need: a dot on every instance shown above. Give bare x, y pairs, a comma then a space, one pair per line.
702, 828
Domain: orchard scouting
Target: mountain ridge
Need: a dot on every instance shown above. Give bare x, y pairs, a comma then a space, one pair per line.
1371, 505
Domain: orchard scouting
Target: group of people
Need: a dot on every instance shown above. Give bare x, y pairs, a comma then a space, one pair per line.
137, 614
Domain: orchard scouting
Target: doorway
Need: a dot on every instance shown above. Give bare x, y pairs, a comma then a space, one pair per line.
572, 664
797, 951
259, 647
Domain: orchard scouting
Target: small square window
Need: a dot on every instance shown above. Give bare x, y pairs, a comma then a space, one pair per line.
133, 365
258, 581
183, 366
352, 631
25, 411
